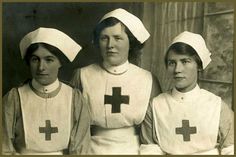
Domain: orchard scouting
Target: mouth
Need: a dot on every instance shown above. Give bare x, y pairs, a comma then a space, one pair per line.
40, 74
111, 53
177, 78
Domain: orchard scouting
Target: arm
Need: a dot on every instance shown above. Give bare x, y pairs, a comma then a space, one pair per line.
10, 113
148, 134
226, 130
80, 134
148, 138
156, 88
76, 80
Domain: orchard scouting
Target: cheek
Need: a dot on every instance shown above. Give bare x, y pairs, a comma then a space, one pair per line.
55, 68
33, 67
124, 49
126, 46
125, 54
170, 70
193, 74
102, 45
102, 50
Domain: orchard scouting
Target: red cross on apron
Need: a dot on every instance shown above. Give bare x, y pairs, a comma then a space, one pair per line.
48, 130
116, 99
186, 130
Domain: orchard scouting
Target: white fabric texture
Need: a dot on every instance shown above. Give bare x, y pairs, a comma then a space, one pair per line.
133, 23
228, 150
139, 90
197, 43
45, 89
115, 137
57, 110
150, 149
120, 141
52, 37
170, 110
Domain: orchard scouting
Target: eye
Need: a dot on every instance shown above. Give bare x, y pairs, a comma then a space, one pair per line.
103, 38
34, 59
118, 38
49, 60
186, 61
171, 63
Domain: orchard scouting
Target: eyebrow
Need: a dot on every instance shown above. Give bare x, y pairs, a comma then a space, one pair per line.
186, 58
115, 35
33, 55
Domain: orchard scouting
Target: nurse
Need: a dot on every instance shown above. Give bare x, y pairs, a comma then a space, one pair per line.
44, 115
118, 91
187, 119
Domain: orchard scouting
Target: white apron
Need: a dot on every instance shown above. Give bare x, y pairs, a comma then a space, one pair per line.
47, 121
187, 123
117, 104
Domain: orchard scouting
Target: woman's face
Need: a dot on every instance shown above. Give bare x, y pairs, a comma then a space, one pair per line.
44, 66
183, 69
114, 45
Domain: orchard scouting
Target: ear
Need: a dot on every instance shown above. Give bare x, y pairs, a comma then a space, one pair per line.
60, 64
199, 69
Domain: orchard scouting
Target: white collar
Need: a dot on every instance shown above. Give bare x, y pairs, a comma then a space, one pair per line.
120, 69
187, 96
45, 89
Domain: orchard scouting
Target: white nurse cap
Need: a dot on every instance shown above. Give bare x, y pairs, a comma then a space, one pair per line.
133, 23
52, 37
197, 43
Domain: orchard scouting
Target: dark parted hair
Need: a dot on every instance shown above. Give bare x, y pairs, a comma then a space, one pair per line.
184, 49
135, 45
55, 51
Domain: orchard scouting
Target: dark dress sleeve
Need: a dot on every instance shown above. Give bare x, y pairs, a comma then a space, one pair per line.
76, 80
10, 114
80, 134
148, 138
156, 87
147, 134
226, 130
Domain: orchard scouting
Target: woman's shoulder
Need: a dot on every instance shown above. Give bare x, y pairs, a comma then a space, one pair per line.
139, 69
162, 96
91, 67
12, 91
15, 89
11, 95
206, 93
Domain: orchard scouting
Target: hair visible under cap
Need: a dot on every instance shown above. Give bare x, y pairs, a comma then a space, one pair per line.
184, 49
135, 45
55, 51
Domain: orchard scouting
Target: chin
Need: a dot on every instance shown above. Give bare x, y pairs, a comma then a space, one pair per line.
113, 63
44, 82
180, 87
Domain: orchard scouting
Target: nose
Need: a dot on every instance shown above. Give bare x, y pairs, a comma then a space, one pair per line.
178, 67
41, 65
110, 43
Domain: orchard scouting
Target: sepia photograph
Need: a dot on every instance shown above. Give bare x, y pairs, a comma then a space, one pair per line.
118, 78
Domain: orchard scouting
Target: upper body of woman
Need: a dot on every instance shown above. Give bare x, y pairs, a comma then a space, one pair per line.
187, 119
117, 91
44, 115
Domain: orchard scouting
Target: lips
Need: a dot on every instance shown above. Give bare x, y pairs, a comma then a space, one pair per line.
111, 53
41, 74
178, 78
